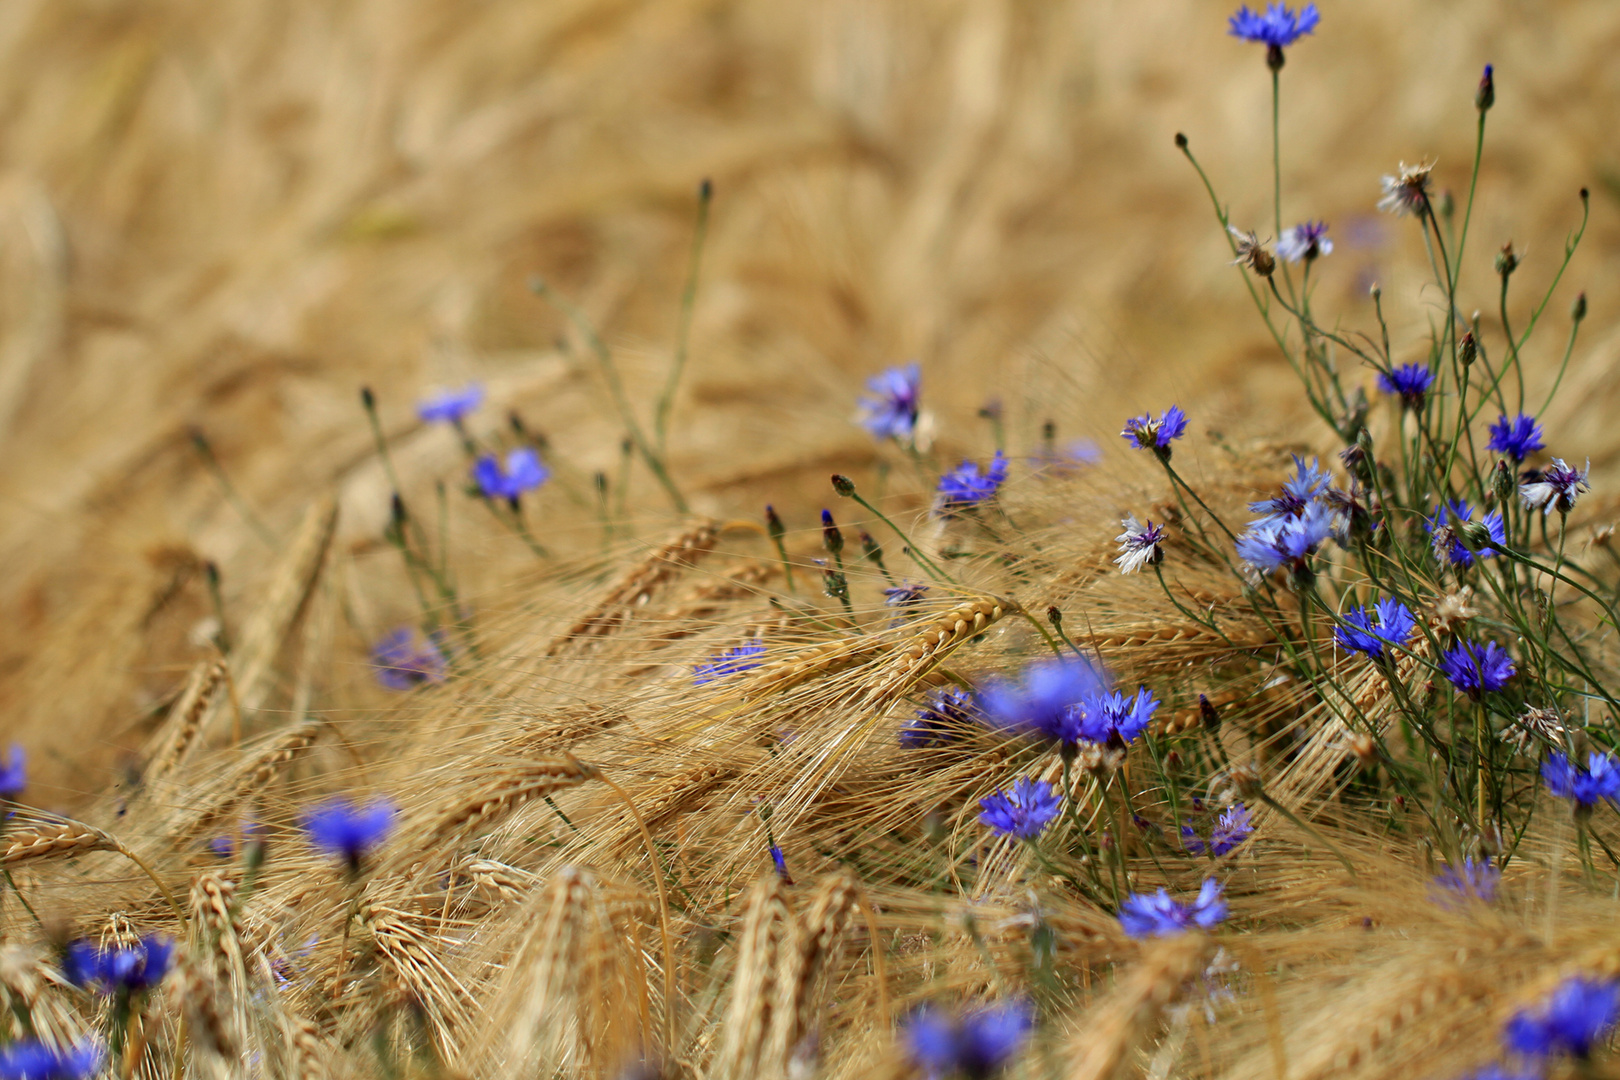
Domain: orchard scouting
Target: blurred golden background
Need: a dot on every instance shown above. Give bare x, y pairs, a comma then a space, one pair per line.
235, 215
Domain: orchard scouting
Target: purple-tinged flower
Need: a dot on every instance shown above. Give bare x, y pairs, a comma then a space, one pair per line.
904, 594
1361, 633
1022, 811
1475, 879
779, 860
132, 970
1599, 780
1160, 916
965, 486
1050, 701
31, 1059
976, 1044
745, 657
1139, 545
1477, 669
1411, 382
1276, 27
1407, 192
1233, 827
1307, 240
522, 472
1517, 438
1554, 488
1577, 1016
946, 717
14, 774
350, 831
451, 406
1499, 1072
892, 413
1309, 482
1447, 525
1285, 540
1115, 718
1076, 454
405, 659
1146, 433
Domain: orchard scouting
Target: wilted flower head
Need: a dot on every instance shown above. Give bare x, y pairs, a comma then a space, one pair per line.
965, 486
451, 406
1517, 438
1362, 633
1554, 488
946, 717
1232, 828
1146, 433
405, 659
1535, 727
1251, 252
1307, 240
1139, 545
1276, 27
1577, 1016
892, 412
1407, 192
31, 1059
1447, 523
128, 970
1285, 540
14, 774
745, 657
976, 1044
349, 831
1599, 780
1411, 382
1160, 916
1477, 669
522, 472
1475, 879
1049, 701
1023, 811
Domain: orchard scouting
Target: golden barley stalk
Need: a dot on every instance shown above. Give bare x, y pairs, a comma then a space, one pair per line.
185, 719
1113, 1028
500, 793
637, 585
763, 954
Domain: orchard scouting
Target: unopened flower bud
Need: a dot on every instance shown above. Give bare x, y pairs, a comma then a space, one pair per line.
1577, 310
1503, 483
831, 538
1473, 534
1485, 96
843, 485
1376, 292
1207, 713
1445, 205
1467, 350
1181, 141
1054, 616
1507, 260
773, 524
368, 400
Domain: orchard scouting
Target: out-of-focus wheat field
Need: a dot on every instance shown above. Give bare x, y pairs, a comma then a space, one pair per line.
233, 216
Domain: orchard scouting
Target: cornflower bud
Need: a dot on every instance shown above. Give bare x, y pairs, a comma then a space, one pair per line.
1467, 350
1207, 713
773, 525
1503, 482
1485, 96
1054, 616
831, 538
1181, 141
1577, 310
871, 548
843, 485
1506, 260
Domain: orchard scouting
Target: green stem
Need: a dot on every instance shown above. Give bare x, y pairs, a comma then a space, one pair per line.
666, 400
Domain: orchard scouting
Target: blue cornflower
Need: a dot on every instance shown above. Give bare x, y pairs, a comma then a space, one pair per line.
943, 719
1477, 670
1444, 527
1139, 545
522, 472
1411, 382
1277, 27
1517, 438
965, 486
975, 1044
745, 657
30, 1059
779, 860
1554, 488
1023, 811
14, 775
1308, 483
1475, 879
1159, 916
1578, 1014
1307, 240
452, 406
904, 594
1117, 718
1146, 433
1599, 780
348, 831
892, 414
1360, 633
405, 659
1050, 701
1285, 539
1233, 827
1498, 1072
131, 970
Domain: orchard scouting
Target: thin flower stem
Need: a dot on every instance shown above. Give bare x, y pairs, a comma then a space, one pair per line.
666, 400
911, 549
